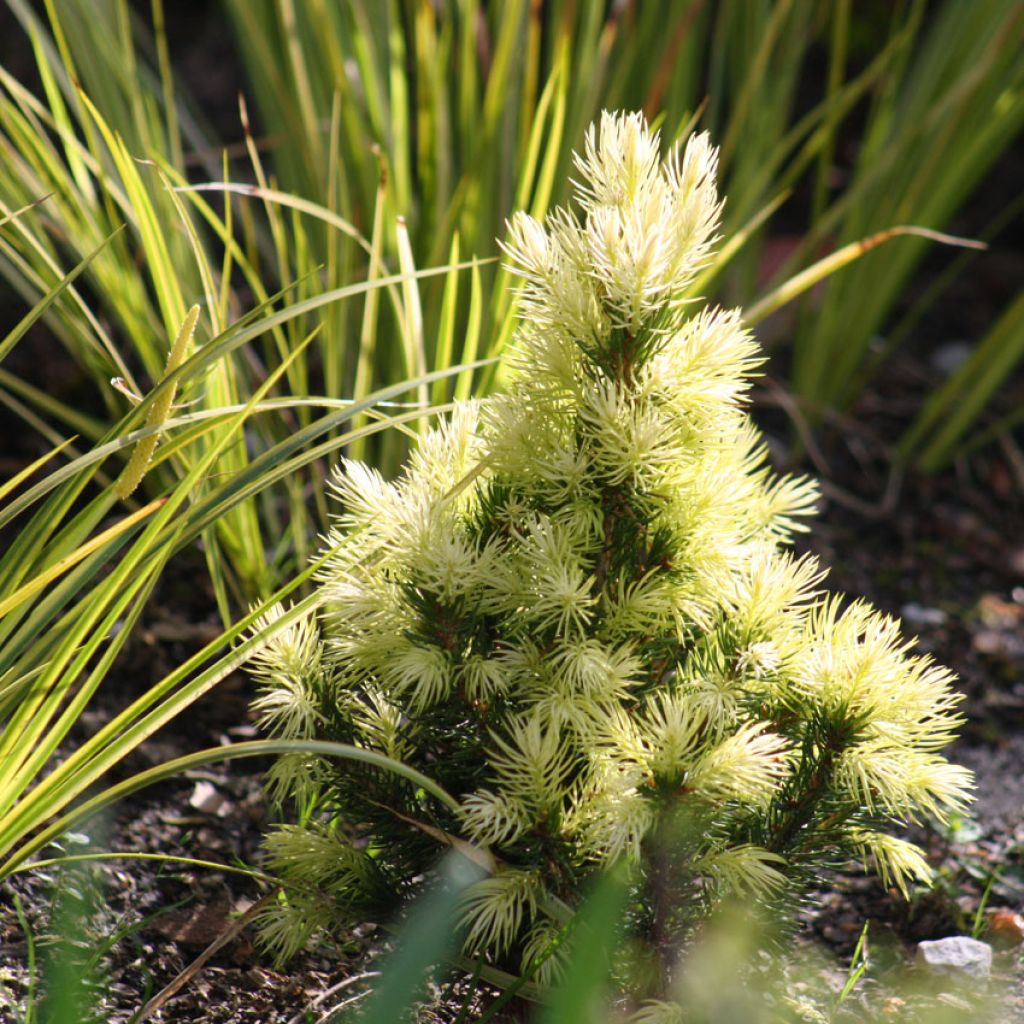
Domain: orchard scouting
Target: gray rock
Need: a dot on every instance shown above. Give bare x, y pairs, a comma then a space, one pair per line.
957, 956
948, 358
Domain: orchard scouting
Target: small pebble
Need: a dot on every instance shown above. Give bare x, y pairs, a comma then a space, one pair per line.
949, 357
957, 955
918, 615
208, 799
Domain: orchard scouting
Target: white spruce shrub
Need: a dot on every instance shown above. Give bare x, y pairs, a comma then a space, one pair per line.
577, 613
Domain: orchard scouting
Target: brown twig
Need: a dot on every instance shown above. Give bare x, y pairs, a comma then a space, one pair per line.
186, 975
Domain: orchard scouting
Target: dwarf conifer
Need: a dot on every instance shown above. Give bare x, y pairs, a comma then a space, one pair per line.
576, 610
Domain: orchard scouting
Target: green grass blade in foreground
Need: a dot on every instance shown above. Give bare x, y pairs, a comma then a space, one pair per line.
70, 988
428, 936
580, 998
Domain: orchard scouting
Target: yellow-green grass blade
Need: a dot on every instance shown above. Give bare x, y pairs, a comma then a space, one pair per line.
536, 181
22, 475
29, 631
234, 337
288, 200
13, 684
281, 463
908, 322
103, 856
137, 465
35, 260
235, 541
395, 285
83, 224
828, 265
164, 267
257, 477
57, 69
400, 108
333, 361
547, 134
44, 579
471, 345
446, 323
368, 328
98, 454
36, 631
240, 532
412, 320
28, 550
269, 469
215, 755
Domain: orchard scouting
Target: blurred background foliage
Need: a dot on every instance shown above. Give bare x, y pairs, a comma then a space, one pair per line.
390, 135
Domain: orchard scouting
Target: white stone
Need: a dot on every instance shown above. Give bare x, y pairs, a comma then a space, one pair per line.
957, 955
